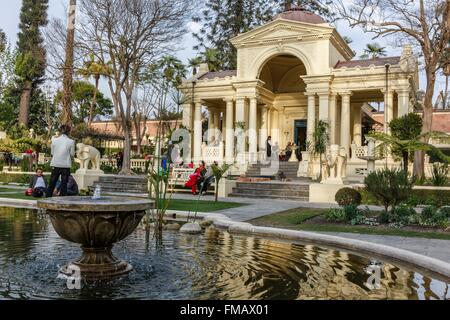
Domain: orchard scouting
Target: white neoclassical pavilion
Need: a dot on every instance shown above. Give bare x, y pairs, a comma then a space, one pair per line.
291, 72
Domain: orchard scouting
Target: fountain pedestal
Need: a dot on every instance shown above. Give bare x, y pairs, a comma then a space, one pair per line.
96, 225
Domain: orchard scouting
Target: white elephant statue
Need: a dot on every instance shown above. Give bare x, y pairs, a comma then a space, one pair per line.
336, 165
87, 154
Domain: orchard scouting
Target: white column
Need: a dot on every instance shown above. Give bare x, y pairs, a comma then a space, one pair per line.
198, 132
388, 109
264, 128
229, 139
216, 130
275, 130
210, 124
333, 115
357, 128
240, 117
345, 122
403, 102
311, 115
324, 107
223, 129
252, 133
187, 116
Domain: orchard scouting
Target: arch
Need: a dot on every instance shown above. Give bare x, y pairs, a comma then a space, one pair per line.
267, 55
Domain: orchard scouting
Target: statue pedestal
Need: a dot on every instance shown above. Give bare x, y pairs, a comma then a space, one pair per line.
87, 178
324, 193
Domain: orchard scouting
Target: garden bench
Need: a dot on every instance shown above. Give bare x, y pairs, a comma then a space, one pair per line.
178, 178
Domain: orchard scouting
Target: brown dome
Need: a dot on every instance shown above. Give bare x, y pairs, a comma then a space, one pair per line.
301, 15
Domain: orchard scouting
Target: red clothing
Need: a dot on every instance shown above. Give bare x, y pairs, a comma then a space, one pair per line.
195, 178
191, 166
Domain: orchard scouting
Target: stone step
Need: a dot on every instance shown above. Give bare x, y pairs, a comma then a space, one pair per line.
273, 186
273, 192
114, 188
243, 195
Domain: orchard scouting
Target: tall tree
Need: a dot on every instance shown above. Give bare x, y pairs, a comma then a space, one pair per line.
131, 34
2, 41
66, 116
373, 50
95, 69
425, 23
222, 20
31, 58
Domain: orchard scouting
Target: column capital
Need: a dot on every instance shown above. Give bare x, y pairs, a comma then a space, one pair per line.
389, 91
324, 93
403, 91
309, 94
228, 99
345, 93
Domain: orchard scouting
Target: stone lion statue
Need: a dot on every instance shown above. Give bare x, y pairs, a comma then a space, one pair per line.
86, 154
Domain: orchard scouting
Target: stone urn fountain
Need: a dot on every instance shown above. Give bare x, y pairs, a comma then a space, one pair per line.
96, 224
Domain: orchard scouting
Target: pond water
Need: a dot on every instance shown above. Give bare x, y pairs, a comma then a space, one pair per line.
215, 265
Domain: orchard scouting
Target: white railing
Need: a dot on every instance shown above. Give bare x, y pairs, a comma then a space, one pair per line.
135, 163
213, 153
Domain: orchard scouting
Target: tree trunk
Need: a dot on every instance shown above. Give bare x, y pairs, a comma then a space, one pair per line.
446, 92
24, 111
216, 191
419, 156
405, 156
126, 166
94, 102
66, 117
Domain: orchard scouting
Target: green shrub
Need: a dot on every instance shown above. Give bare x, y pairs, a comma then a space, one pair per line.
434, 217
429, 197
351, 212
348, 196
401, 214
439, 175
335, 215
389, 186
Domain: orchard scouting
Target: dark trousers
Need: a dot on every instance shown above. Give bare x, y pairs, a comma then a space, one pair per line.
56, 173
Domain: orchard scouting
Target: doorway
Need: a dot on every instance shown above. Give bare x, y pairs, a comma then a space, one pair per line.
300, 136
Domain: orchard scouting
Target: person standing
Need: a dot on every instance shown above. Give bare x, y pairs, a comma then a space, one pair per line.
269, 147
63, 149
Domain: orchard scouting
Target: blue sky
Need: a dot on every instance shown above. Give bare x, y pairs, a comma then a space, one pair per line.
9, 21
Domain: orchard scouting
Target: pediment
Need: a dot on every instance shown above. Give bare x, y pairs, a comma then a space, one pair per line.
282, 29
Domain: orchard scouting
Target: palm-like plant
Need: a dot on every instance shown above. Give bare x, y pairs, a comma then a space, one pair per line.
319, 143
96, 70
219, 172
211, 57
373, 50
194, 63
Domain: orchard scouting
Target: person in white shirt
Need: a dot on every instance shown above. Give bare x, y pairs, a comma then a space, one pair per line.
63, 150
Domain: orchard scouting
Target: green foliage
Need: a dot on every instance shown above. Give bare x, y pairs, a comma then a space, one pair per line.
389, 186
407, 127
440, 173
373, 50
31, 60
218, 172
351, 212
429, 197
83, 94
318, 145
348, 196
434, 217
335, 215
401, 214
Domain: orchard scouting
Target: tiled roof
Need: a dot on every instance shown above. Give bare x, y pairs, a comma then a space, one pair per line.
301, 15
218, 74
368, 62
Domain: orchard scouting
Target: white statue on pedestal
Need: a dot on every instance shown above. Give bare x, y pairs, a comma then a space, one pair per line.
335, 167
88, 154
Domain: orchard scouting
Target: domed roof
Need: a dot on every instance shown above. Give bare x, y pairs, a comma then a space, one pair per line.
301, 15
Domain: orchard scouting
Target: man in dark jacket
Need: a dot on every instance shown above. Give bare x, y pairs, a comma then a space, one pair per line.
72, 187
38, 185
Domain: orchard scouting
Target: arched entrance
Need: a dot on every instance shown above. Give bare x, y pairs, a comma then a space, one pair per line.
281, 75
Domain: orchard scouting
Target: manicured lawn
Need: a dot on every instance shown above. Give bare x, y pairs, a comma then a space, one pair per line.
175, 204
201, 206
310, 220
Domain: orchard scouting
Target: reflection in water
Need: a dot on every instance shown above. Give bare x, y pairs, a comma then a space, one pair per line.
216, 265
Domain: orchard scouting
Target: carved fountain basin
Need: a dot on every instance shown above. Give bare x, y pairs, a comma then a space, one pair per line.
96, 225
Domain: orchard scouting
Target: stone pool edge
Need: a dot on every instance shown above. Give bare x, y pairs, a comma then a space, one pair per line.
223, 222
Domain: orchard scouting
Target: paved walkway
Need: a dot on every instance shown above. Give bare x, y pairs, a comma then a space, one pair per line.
255, 208
439, 249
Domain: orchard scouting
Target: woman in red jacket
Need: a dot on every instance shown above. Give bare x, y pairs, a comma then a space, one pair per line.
196, 178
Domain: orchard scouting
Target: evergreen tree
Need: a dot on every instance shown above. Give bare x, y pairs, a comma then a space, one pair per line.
2, 41
31, 58
222, 20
